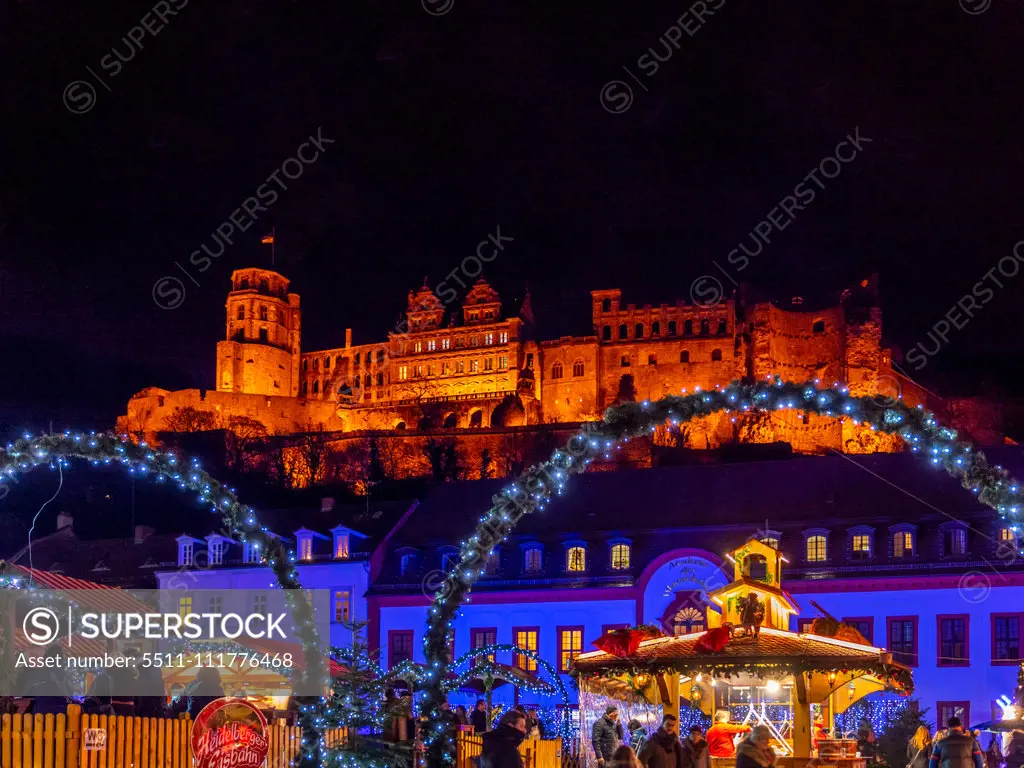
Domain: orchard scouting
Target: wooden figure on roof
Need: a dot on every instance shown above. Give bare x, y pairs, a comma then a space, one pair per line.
755, 597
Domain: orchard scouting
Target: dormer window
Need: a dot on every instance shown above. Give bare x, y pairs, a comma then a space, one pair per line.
304, 544
771, 539
251, 552
816, 545
1007, 541
341, 542
620, 556
408, 563
533, 558
216, 551
861, 542
576, 558
185, 554
492, 565
904, 540
954, 539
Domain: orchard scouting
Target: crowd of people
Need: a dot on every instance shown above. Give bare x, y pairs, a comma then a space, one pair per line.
501, 745
953, 747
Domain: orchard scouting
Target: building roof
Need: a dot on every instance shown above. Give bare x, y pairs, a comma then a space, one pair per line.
711, 507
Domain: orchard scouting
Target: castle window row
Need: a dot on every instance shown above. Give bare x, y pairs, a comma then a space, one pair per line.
488, 339
575, 558
446, 368
640, 330
325, 362
262, 312
577, 369
902, 542
684, 357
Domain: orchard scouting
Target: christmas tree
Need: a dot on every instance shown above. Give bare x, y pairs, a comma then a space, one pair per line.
892, 743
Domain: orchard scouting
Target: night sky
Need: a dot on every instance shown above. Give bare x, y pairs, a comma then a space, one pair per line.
490, 115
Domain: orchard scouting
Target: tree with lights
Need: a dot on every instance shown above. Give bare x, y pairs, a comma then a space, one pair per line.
892, 743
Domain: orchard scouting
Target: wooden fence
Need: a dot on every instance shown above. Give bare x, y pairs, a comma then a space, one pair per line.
56, 741
537, 753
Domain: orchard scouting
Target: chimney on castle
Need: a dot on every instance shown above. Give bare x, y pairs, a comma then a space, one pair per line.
64, 520
143, 532
327, 504
348, 338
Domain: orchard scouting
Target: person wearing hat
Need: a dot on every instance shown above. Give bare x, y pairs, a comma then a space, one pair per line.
607, 735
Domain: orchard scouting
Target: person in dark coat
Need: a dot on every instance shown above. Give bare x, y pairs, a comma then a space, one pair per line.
46, 685
993, 755
756, 751
1015, 750
695, 749
958, 749
501, 746
461, 715
663, 749
478, 717
606, 735
204, 689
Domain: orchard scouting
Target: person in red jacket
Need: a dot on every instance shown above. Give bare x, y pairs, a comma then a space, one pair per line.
720, 735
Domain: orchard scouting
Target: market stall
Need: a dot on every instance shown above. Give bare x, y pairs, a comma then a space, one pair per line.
747, 663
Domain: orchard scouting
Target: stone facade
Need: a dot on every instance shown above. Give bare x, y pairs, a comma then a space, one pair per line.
477, 370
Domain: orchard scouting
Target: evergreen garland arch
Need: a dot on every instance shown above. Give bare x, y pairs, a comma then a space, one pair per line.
539, 484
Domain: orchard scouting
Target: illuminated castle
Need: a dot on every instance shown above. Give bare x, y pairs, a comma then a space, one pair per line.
475, 369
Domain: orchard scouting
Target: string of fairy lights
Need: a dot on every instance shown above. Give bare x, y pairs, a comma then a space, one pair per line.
539, 484
530, 493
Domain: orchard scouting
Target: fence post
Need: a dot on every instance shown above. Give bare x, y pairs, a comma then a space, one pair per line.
73, 735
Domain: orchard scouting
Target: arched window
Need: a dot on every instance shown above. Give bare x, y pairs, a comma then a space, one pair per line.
688, 621
355, 360
533, 559
476, 419
245, 283
264, 336
263, 312
684, 356
606, 305
302, 388
716, 355
620, 557
305, 365
380, 379
264, 286
722, 327
577, 368
576, 559
817, 549
639, 330
903, 543
241, 312
337, 361
380, 355
355, 381
606, 333
400, 425
688, 328
671, 327
623, 331
327, 363
556, 371
316, 387
316, 363
450, 421
279, 316
705, 327
655, 329
818, 327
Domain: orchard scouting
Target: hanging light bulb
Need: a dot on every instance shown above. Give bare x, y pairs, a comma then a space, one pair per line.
772, 686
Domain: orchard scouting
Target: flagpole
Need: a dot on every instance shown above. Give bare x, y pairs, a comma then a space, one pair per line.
273, 245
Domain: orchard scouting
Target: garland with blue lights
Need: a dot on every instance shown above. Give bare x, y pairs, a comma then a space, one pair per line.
539, 484
140, 459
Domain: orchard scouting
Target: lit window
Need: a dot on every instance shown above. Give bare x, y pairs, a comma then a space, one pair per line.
217, 552
474, 341
576, 559
431, 345
474, 366
417, 346
403, 372
771, 541
341, 545
503, 361
419, 371
488, 363
817, 549
446, 367
862, 546
503, 337
488, 338
532, 560
446, 343
570, 645
1007, 540
903, 544
577, 368
556, 371
342, 605
460, 366
620, 557
184, 606
527, 640
306, 548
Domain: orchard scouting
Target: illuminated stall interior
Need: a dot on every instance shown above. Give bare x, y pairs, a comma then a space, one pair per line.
775, 678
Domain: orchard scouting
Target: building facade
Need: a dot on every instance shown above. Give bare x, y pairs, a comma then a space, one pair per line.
470, 367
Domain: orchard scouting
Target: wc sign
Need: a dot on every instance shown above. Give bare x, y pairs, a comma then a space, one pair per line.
94, 739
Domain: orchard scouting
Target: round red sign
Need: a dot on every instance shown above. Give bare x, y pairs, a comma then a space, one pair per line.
230, 733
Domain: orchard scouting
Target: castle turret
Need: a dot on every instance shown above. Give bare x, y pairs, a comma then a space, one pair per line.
260, 355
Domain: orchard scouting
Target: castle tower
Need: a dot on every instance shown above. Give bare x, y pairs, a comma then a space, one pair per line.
425, 310
260, 355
